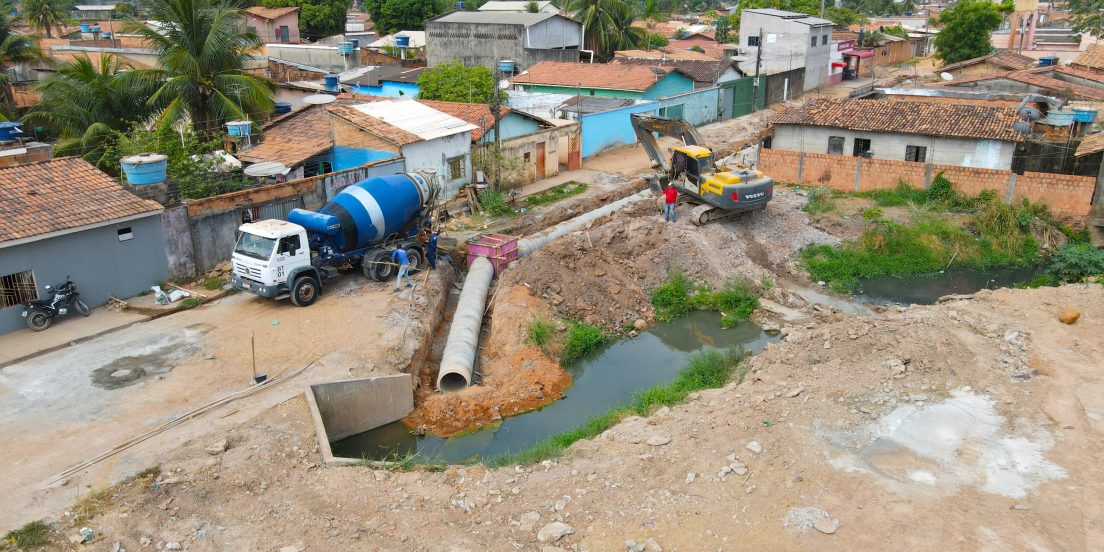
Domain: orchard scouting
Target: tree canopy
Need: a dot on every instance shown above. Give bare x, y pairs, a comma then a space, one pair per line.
124, 10
44, 15
452, 82
607, 25
14, 48
317, 18
966, 28
392, 16
1088, 16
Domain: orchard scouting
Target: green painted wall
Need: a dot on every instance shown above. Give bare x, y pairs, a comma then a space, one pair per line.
673, 83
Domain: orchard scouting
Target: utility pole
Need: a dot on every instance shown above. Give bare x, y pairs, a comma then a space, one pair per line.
496, 108
822, 9
755, 83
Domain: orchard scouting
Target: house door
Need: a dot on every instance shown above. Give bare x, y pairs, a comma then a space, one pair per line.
540, 160
575, 152
283, 34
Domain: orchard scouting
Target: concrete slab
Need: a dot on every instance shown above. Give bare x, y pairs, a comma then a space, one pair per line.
25, 344
343, 408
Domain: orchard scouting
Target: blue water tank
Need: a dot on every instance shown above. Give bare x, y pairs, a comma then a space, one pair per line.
145, 168
282, 108
402, 41
95, 28
85, 28
345, 48
331, 83
105, 35
239, 128
1047, 61
1082, 115
506, 66
1059, 117
366, 213
10, 130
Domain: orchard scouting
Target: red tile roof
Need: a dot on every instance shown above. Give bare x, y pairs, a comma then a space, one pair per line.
62, 194
293, 138
270, 13
1039, 78
610, 76
1000, 58
928, 119
1092, 58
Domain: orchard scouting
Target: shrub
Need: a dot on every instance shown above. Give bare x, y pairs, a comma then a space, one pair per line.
941, 189
672, 298
581, 340
735, 301
565, 190
33, 534
1076, 261
190, 302
872, 214
494, 203
540, 331
821, 200
214, 283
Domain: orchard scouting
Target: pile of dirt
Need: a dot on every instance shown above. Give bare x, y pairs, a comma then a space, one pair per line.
603, 275
516, 376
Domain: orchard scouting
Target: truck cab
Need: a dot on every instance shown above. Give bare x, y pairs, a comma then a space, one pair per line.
272, 258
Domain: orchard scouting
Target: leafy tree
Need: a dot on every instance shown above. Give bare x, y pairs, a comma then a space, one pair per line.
1088, 16
404, 15
86, 103
317, 18
452, 82
966, 28
896, 30
201, 54
46, 14
607, 25
124, 10
188, 165
722, 31
872, 38
656, 41
15, 48
842, 17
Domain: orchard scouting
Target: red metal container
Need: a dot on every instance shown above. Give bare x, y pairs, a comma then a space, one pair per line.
500, 249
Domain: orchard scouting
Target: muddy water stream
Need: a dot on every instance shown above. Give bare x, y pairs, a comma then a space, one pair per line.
925, 289
603, 380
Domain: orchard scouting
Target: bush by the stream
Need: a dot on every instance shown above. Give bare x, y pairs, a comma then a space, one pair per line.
540, 331
581, 339
494, 203
1076, 261
735, 300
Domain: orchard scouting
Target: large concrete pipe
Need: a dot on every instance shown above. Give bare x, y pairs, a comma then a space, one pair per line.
458, 359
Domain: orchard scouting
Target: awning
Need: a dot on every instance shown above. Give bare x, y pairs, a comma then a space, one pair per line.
1091, 144
858, 53
838, 64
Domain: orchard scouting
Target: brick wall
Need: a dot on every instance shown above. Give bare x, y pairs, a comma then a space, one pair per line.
282, 72
1068, 196
346, 134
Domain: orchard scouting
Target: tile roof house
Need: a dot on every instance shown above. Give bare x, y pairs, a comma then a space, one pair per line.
704, 73
949, 134
614, 80
1000, 61
279, 25
64, 217
1092, 59
664, 53
1072, 82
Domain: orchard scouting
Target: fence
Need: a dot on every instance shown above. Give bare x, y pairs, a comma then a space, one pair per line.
1068, 196
201, 234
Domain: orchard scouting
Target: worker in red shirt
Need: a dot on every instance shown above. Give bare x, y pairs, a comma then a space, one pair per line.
670, 196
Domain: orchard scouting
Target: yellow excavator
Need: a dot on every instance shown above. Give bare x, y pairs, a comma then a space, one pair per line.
717, 194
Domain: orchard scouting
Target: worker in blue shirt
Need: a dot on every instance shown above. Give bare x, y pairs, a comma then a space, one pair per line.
399, 256
431, 248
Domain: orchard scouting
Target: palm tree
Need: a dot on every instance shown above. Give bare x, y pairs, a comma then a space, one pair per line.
87, 103
607, 25
202, 49
15, 48
532, 6
44, 14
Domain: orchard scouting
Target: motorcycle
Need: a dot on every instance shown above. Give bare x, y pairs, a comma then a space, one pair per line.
41, 313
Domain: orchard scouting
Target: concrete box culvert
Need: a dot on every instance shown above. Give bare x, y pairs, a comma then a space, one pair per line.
341, 409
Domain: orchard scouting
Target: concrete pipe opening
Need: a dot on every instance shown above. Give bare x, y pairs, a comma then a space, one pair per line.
452, 381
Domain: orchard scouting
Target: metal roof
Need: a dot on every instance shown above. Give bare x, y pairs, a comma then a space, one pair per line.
94, 7
517, 6
496, 18
421, 120
792, 16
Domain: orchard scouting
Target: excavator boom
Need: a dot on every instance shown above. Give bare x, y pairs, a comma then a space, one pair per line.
645, 125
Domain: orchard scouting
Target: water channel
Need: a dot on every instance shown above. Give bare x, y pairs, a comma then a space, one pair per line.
925, 289
603, 380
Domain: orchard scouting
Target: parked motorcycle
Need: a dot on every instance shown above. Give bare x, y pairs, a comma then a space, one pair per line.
41, 313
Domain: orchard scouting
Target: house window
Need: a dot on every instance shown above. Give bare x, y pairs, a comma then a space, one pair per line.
835, 145
18, 288
526, 158
753, 41
125, 234
456, 167
824, 40
862, 147
813, 42
918, 154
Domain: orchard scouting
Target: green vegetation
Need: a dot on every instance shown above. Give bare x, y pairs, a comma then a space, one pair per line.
124, 10
607, 25
190, 302
821, 200
214, 283
581, 340
189, 164
998, 234
966, 28
655, 41
678, 296
1076, 261
896, 30
540, 331
15, 48
31, 535
767, 283
872, 214
453, 82
494, 203
317, 18
706, 369
391, 16
563, 191
44, 15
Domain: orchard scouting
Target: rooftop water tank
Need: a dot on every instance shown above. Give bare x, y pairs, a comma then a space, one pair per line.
85, 28
145, 168
1059, 117
345, 48
239, 128
506, 66
10, 130
95, 28
282, 108
356, 43
105, 35
402, 41
1047, 61
331, 83
1083, 115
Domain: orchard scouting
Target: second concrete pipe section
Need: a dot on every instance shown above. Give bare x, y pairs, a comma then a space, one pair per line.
458, 359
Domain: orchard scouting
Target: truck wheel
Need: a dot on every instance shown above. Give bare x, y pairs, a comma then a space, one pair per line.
381, 268
38, 320
417, 258
305, 291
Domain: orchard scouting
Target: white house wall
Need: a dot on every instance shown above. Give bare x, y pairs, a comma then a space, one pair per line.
434, 154
987, 154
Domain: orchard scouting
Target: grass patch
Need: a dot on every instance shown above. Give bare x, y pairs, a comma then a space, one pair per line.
706, 369
581, 340
540, 331
872, 214
32, 535
821, 200
94, 503
678, 295
214, 283
552, 195
190, 302
494, 203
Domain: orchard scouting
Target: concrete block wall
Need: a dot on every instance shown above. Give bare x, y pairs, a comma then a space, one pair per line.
1068, 196
347, 134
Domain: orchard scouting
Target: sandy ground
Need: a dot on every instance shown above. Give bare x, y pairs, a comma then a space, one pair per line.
970, 425
64, 407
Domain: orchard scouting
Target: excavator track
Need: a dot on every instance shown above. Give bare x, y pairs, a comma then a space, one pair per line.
704, 214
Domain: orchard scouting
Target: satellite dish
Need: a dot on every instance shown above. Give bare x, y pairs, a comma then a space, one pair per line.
266, 168
946, 76
503, 84
658, 70
1022, 127
1030, 113
319, 99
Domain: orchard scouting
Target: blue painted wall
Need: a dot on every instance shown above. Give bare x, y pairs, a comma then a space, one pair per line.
673, 83
388, 89
611, 128
512, 125
345, 157
697, 108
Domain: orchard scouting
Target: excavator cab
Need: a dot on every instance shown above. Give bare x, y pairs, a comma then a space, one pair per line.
695, 162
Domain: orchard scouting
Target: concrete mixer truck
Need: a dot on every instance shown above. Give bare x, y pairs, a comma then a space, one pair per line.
359, 227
